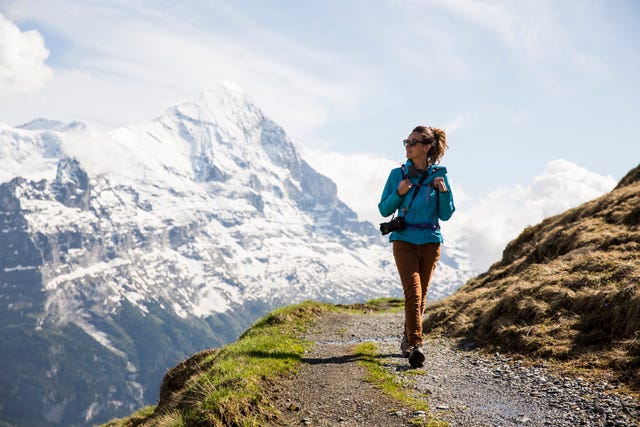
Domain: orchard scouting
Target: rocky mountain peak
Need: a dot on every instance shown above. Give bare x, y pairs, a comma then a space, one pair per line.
227, 109
53, 125
71, 185
227, 136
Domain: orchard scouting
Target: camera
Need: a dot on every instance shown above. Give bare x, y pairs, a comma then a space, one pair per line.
396, 224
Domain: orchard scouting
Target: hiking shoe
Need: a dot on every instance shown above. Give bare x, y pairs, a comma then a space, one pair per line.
404, 346
416, 356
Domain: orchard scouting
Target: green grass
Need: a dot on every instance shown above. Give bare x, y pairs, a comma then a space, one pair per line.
226, 388
230, 386
379, 376
392, 305
134, 419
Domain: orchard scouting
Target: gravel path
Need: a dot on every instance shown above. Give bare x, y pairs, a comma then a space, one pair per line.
462, 387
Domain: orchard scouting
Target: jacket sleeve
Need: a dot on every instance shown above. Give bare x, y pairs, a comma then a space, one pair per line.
446, 208
390, 200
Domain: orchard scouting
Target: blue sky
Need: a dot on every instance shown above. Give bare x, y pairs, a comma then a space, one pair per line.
529, 92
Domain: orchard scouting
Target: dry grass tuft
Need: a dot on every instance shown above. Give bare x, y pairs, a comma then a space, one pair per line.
567, 290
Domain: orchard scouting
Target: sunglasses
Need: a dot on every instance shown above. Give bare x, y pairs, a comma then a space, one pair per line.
413, 142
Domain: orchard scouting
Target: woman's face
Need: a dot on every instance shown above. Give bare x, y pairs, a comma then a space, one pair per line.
418, 153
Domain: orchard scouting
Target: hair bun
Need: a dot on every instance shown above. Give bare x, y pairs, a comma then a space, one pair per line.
438, 134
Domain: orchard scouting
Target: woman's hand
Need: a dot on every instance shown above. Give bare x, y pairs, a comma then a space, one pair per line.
404, 187
439, 184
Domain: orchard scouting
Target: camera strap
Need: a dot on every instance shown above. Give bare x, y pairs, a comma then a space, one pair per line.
424, 176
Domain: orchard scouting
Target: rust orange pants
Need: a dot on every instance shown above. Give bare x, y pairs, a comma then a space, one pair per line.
415, 264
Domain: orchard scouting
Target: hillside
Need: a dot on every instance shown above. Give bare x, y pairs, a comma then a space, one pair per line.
321, 365
566, 289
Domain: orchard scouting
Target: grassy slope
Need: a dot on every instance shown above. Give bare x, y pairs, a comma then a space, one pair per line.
225, 387
230, 386
566, 290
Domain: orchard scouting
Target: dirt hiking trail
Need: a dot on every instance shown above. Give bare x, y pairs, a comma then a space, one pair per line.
462, 387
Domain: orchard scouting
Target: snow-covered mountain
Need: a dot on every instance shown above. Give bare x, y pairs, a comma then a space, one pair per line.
123, 252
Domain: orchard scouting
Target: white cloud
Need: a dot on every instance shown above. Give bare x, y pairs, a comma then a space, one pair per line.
22, 59
525, 27
490, 223
142, 60
294, 98
541, 34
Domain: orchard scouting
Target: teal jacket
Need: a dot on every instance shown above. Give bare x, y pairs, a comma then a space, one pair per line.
422, 219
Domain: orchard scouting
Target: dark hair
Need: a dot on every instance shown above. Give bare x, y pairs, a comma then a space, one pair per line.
438, 140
